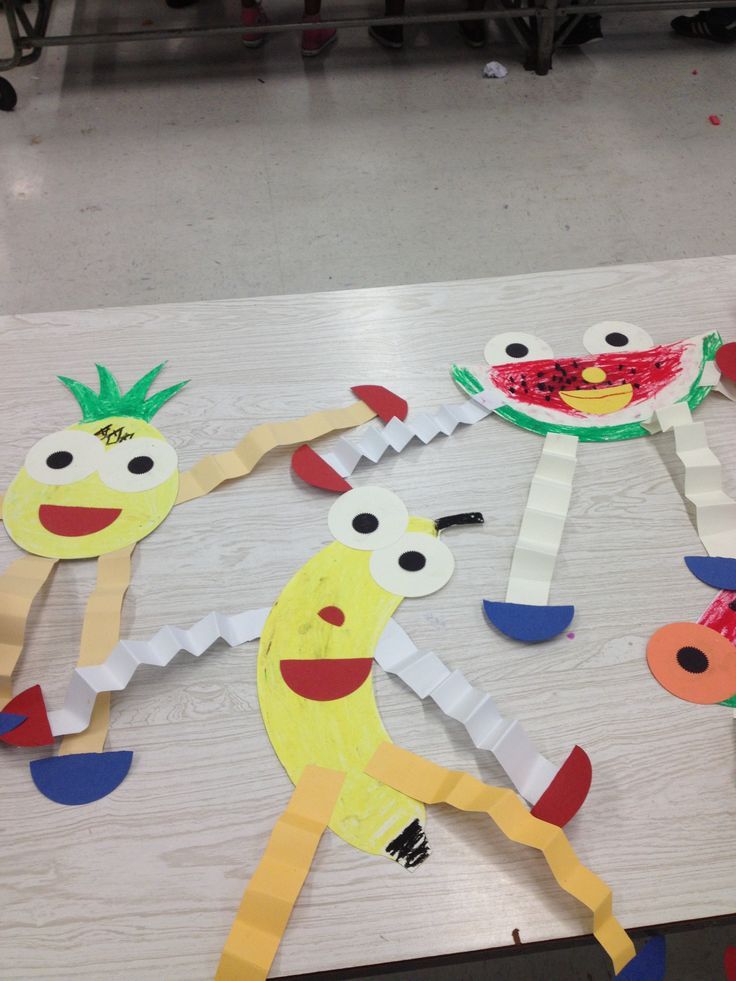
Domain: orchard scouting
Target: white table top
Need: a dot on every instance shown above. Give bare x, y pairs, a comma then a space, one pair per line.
145, 883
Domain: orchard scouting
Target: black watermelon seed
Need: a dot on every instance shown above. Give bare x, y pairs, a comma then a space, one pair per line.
732, 605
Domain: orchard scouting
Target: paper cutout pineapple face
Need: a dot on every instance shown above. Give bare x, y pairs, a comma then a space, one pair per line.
100, 485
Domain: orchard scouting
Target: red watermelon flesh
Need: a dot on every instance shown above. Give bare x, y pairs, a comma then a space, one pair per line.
540, 382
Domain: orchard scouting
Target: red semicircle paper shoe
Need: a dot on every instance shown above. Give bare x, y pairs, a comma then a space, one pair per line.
568, 791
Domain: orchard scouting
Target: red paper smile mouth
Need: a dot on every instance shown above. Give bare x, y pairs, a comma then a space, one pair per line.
75, 522
325, 679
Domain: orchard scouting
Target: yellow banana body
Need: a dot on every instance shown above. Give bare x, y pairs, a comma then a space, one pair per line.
302, 655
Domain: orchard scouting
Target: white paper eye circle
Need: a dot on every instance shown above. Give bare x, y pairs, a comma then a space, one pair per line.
138, 464
611, 336
367, 518
415, 565
515, 345
65, 457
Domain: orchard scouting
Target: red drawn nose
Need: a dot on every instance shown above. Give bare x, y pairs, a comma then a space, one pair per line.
333, 615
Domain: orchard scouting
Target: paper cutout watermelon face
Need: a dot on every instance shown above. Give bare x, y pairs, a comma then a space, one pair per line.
596, 397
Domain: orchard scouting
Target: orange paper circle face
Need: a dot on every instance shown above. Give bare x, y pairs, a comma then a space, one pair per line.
693, 662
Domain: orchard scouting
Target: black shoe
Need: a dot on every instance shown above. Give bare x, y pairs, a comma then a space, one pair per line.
701, 26
389, 37
587, 29
473, 32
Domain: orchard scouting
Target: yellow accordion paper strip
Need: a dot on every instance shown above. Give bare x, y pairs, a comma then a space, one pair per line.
214, 470
274, 888
433, 784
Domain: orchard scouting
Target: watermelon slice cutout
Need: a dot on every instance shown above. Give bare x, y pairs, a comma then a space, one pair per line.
542, 396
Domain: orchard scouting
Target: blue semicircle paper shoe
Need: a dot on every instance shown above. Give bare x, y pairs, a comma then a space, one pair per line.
527, 623
713, 570
648, 965
81, 777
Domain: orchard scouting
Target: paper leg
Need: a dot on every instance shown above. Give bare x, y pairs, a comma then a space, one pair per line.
525, 615
100, 633
275, 886
419, 778
19, 586
715, 511
82, 772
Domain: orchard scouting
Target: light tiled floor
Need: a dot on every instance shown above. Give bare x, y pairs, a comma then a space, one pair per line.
192, 170
185, 170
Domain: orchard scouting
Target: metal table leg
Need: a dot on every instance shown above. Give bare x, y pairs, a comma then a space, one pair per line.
546, 37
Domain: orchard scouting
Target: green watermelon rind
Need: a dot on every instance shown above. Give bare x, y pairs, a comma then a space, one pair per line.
731, 702
599, 434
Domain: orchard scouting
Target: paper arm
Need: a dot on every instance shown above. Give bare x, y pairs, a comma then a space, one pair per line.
116, 672
214, 470
715, 511
537, 779
330, 469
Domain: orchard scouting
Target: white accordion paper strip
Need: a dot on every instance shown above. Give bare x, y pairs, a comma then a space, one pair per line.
427, 675
715, 511
396, 435
116, 671
540, 535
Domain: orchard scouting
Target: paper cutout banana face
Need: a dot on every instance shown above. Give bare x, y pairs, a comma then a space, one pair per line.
316, 653
94, 490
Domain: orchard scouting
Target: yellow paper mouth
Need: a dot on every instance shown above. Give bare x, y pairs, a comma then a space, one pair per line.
599, 402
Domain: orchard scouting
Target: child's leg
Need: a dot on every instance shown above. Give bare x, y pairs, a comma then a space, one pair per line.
275, 885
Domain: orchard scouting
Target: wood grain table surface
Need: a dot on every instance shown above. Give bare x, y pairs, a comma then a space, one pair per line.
144, 884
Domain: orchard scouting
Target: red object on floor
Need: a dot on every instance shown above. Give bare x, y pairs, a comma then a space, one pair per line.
385, 404
715, 120
313, 470
35, 731
564, 797
726, 360
694, 71
729, 963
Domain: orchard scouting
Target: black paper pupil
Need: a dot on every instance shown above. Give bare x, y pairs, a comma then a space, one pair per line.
692, 659
59, 460
140, 464
412, 561
517, 350
365, 523
616, 340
